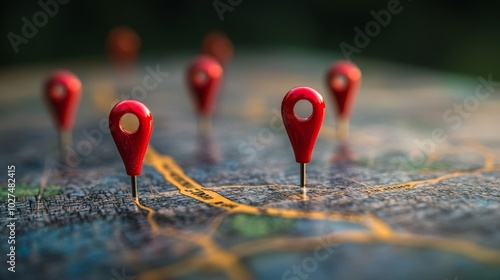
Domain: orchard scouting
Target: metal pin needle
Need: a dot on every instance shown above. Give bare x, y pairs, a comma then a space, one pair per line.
133, 181
302, 175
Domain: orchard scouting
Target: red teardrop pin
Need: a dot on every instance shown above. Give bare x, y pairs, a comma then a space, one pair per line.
62, 90
204, 78
218, 45
123, 45
131, 145
343, 79
303, 131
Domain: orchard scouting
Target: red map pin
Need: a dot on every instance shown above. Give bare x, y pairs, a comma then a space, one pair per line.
62, 93
204, 78
62, 90
218, 45
123, 45
344, 79
303, 131
131, 145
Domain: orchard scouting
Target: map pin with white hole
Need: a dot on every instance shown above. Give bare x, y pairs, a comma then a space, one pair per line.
303, 131
204, 78
131, 145
62, 90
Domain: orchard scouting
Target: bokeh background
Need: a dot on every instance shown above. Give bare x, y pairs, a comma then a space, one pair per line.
460, 36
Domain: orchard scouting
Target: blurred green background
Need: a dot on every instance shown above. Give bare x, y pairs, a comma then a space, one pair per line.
459, 36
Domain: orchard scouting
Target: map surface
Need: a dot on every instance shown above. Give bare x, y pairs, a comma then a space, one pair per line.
415, 193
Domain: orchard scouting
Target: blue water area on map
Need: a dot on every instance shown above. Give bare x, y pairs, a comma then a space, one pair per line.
75, 251
308, 227
480, 202
367, 261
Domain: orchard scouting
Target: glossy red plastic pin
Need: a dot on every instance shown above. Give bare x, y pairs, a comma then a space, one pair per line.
131, 145
62, 92
343, 79
303, 131
204, 78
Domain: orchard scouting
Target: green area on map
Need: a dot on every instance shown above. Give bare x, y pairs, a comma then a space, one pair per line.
393, 204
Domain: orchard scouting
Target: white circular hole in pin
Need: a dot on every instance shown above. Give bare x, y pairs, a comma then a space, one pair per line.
338, 82
303, 109
200, 78
129, 123
58, 91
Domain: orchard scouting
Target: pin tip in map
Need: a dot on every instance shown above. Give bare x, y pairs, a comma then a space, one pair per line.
131, 145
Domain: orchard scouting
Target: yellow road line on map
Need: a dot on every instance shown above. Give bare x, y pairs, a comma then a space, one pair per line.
218, 258
188, 187
409, 185
489, 156
380, 232
211, 257
212, 253
455, 246
408, 240
151, 212
228, 260
216, 223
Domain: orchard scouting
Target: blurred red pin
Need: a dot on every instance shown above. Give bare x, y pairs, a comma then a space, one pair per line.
131, 145
343, 79
303, 132
218, 45
204, 78
123, 46
62, 91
